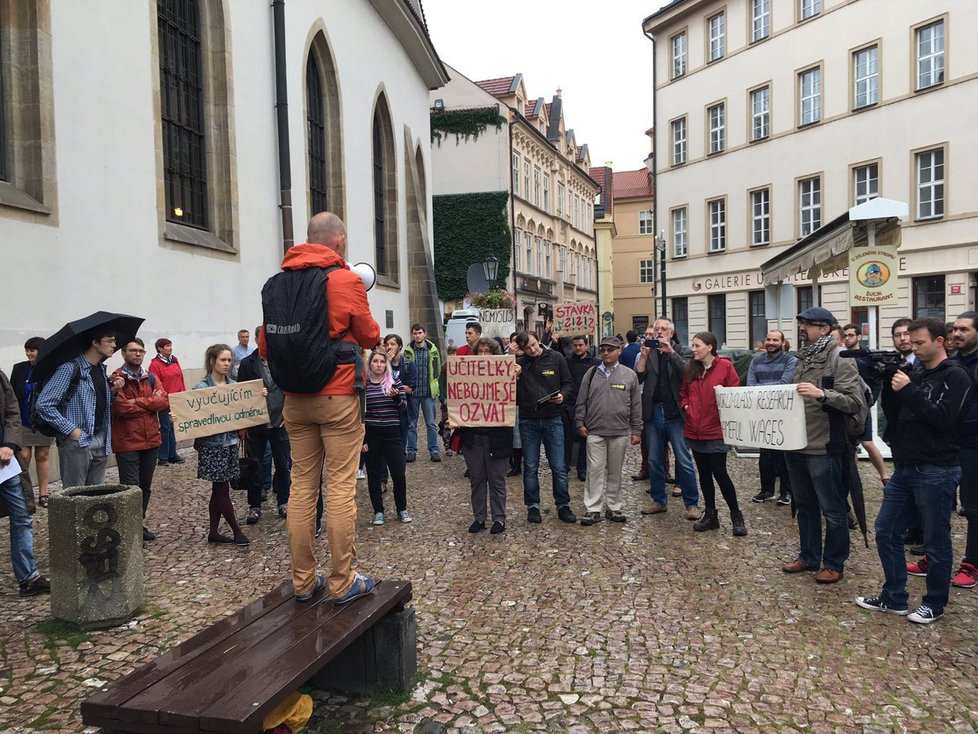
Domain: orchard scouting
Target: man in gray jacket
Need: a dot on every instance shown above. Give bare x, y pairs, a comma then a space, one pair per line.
831, 390
608, 411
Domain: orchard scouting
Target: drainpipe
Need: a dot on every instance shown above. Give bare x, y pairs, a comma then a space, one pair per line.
512, 218
282, 118
655, 188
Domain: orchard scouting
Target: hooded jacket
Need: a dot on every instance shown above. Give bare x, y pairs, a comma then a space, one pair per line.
349, 310
135, 424
968, 426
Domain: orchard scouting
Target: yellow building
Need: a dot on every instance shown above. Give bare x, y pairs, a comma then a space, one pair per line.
604, 235
632, 247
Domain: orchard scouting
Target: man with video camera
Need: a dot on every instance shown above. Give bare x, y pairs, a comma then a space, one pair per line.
922, 410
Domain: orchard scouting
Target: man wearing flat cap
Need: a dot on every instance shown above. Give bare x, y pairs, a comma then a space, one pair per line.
608, 415
831, 391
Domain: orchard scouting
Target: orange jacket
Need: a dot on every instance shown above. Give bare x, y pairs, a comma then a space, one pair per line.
348, 307
135, 424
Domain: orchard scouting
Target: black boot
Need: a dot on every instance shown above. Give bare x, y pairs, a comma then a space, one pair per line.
737, 520
709, 521
515, 463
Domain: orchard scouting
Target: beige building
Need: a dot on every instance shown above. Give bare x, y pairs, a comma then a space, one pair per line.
634, 273
774, 118
605, 232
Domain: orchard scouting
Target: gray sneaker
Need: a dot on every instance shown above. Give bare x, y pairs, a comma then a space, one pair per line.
403, 516
378, 518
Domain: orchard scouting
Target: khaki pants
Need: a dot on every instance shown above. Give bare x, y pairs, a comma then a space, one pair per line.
605, 457
323, 426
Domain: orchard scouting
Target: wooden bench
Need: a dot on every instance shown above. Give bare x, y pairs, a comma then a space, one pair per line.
228, 677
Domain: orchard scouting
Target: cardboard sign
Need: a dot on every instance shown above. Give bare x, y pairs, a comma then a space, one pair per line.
499, 322
873, 276
575, 319
211, 410
764, 417
481, 391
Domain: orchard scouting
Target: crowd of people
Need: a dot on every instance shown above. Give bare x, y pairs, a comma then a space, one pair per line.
581, 409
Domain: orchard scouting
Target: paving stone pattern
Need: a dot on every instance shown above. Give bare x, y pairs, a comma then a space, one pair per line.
644, 627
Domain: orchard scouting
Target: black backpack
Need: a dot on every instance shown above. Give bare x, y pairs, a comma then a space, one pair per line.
301, 355
39, 424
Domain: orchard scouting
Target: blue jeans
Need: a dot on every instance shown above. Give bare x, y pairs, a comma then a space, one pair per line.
549, 432
929, 489
428, 408
168, 449
21, 532
658, 431
276, 442
817, 488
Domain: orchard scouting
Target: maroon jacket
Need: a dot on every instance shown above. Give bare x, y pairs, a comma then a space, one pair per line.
699, 400
135, 425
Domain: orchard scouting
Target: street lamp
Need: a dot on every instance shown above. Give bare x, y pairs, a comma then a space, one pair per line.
660, 248
490, 268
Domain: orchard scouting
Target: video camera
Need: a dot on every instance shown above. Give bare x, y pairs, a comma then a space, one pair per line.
889, 361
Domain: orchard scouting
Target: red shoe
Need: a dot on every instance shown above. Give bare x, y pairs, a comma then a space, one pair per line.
919, 568
966, 578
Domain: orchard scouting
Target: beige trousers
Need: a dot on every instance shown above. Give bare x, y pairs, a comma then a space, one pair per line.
605, 457
323, 426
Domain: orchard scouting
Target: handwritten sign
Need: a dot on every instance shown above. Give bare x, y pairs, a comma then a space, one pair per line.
211, 410
499, 322
765, 417
481, 391
575, 318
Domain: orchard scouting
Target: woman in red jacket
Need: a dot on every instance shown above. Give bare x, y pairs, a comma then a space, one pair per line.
704, 436
167, 371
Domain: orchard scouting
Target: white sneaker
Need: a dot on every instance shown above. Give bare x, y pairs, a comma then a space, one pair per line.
378, 518
924, 615
403, 516
360, 474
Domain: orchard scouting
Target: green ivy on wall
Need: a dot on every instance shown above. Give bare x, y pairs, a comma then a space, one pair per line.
467, 229
464, 124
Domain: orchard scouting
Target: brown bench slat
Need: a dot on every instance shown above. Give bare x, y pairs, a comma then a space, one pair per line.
283, 674
207, 674
105, 704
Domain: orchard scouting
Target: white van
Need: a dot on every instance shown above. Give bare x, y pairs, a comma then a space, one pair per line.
455, 330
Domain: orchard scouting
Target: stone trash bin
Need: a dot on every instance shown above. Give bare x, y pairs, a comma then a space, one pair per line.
96, 554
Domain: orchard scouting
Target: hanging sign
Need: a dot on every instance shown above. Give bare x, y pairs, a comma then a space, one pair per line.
873, 276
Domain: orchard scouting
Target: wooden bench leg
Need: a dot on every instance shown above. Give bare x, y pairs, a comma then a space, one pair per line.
383, 659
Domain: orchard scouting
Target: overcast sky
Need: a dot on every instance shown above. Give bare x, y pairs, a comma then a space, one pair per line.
594, 51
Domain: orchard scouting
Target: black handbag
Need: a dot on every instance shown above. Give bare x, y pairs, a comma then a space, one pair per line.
249, 470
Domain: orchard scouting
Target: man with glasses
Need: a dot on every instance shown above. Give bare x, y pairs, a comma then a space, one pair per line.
84, 428
660, 370
136, 436
831, 391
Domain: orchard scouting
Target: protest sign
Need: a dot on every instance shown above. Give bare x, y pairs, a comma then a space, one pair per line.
765, 417
574, 319
481, 390
210, 410
499, 322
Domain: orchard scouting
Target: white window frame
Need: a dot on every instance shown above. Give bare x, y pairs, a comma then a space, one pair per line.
562, 259
645, 225
546, 192
678, 141
809, 8
760, 20
717, 28
809, 205
810, 96
680, 229
526, 178
929, 49
539, 243
516, 173
517, 246
930, 192
716, 116
760, 119
529, 253
547, 273
717, 222
646, 271
536, 185
680, 54
560, 199
865, 183
865, 77
760, 217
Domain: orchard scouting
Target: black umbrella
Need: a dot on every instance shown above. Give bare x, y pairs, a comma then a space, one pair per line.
70, 340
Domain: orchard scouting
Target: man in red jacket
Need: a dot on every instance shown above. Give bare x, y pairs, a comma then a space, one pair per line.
135, 426
330, 419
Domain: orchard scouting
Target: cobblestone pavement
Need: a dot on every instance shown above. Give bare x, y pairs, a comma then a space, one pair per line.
645, 626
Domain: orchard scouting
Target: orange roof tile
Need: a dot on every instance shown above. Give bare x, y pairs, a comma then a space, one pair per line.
497, 87
632, 184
